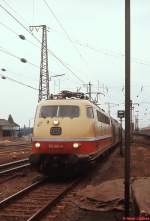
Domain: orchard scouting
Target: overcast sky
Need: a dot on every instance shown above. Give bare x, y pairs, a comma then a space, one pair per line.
94, 53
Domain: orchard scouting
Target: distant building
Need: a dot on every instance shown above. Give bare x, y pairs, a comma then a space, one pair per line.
8, 128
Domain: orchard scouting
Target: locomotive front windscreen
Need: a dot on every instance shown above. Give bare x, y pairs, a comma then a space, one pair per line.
59, 111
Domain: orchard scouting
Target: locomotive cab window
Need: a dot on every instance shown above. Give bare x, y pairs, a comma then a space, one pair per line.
68, 111
59, 111
89, 112
48, 111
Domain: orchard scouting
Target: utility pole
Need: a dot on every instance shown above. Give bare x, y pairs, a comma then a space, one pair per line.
44, 74
127, 108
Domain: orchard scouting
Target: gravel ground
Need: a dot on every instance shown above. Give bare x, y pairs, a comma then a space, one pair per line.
14, 155
10, 153
114, 168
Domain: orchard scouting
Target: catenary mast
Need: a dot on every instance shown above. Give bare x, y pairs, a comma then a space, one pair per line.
44, 74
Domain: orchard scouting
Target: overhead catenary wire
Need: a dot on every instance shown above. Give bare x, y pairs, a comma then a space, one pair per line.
108, 52
81, 44
91, 48
111, 53
32, 78
22, 25
39, 47
64, 30
18, 82
69, 69
102, 51
50, 51
5, 51
13, 55
105, 52
8, 28
14, 32
33, 11
8, 4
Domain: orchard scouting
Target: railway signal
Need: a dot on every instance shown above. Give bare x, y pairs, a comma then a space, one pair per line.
120, 114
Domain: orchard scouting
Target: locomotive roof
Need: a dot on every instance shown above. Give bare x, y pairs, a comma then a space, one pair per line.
66, 101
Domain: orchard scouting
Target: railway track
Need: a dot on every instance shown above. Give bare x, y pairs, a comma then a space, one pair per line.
4, 152
39, 201
9, 149
142, 134
15, 145
8, 154
14, 166
33, 202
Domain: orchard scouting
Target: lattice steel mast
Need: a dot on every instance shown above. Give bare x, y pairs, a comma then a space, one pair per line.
44, 74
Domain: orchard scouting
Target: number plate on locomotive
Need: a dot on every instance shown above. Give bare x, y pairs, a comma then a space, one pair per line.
56, 146
55, 130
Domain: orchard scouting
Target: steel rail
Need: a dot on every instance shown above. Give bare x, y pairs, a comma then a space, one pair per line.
50, 200
14, 150
54, 198
14, 169
142, 134
5, 167
46, 208
20, 193
15, 145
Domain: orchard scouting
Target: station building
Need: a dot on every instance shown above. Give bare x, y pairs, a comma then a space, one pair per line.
8, 128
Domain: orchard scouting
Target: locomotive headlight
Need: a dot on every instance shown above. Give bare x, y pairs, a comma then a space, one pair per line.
37, 145
56, 122
76, 145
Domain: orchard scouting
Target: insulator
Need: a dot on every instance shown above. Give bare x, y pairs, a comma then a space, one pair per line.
22, 37
3, 77
23, 60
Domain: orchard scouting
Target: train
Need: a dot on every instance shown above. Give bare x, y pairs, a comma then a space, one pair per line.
70, 132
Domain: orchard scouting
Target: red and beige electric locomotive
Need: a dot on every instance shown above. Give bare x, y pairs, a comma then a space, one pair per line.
69, 133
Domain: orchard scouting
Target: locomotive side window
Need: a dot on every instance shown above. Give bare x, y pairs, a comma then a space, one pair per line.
102, 118
68, 111
107, 120
59, 111
99, 116
89, 112
48, 111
